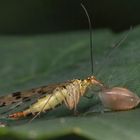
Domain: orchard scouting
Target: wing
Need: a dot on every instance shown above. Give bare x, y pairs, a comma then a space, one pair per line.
21, 100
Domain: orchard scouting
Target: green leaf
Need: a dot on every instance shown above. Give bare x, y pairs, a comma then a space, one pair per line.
31, 61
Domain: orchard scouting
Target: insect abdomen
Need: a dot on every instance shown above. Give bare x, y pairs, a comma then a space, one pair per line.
49, 102
46, 103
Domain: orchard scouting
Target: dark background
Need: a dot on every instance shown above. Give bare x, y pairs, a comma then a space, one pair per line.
45, 16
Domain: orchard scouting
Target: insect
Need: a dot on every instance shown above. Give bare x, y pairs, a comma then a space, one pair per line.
48, 97
52, 96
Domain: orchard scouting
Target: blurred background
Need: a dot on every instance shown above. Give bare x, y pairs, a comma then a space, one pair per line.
46, 16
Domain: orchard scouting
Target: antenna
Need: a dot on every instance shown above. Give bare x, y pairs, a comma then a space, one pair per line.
90, 37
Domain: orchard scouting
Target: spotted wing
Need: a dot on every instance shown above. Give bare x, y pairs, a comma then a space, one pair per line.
21, 100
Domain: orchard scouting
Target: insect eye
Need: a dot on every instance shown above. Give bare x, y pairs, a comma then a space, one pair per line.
88, 78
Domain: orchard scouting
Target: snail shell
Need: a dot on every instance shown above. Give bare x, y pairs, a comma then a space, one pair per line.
118, 98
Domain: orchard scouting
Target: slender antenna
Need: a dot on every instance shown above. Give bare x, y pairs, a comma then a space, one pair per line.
90, 36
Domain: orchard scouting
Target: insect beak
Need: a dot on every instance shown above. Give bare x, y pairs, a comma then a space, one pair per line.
97, 82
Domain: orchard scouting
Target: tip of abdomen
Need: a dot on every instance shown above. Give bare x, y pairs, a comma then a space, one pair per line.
17, 115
